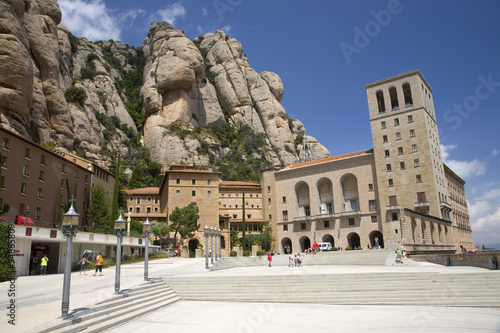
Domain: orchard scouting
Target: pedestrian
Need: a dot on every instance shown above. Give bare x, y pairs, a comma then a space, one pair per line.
402, 250
83, 261
290, 260
34, 264
269, 258
315, 247
299, 260
398, 256
98, 264
43, 264
377, 246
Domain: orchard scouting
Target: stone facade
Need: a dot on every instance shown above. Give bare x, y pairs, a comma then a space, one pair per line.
35, 177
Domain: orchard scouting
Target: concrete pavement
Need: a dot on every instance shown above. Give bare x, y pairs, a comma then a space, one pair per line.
38, 301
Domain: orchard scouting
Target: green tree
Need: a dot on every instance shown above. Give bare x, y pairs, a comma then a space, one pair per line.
160, 230
184, 221
98, 211
135, 228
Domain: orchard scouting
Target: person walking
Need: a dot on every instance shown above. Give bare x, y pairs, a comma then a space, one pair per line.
43, 265
34, 264
83, 261
98, 264
269, 258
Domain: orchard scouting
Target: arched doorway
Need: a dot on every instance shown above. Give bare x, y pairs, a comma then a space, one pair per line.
353, 240
305, 243
193, 245
286, 245
380, 237
328, 239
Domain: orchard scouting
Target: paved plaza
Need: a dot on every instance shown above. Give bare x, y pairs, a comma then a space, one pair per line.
38, 302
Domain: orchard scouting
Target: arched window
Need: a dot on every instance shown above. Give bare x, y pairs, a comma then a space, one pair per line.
325, 193
407, 94
349, 185
380, 101
394, 98
303, 201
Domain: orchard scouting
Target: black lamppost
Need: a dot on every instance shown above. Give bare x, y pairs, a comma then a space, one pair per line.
146, 227
206, 230
120, 229
70, 223
212, 234
220, 239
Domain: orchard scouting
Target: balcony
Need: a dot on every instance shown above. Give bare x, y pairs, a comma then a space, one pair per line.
302, 218
350, 213
326, 215
422, 204
393, 207
446, 206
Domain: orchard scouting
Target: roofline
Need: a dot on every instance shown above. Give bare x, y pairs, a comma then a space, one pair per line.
397, 77
453, 174
328, 160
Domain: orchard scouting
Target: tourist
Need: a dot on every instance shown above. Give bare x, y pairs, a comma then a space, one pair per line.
398, 256
34, 264
377, 246
98, 264
83, 261
290, 260
299, 260
43, 265
315, 247
402, 250
269, 258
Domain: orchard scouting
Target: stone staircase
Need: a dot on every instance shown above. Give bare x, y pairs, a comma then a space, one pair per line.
116, 310
362, 257
412, 288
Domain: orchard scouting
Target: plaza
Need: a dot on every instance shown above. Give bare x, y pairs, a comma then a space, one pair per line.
38, 298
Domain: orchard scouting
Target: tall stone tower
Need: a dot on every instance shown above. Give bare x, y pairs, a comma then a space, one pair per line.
409, 166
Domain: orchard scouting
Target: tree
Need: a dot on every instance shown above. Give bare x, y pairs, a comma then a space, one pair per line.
184, 221
135, 228
98, 211
160, 230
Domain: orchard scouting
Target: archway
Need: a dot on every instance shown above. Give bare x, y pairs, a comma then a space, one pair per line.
353, 240
193, 245
328, 239
305, 243
222, 242
377, 234
286, 245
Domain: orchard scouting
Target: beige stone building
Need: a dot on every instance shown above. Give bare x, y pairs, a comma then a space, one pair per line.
328, 200
182, 185
400, 192
144, 203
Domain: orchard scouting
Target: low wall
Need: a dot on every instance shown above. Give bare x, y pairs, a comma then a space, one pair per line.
487, 260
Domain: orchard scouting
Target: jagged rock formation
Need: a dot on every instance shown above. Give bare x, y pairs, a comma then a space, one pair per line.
95, 98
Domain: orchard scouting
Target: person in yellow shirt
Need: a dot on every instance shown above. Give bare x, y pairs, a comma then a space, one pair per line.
43, 265
98, 264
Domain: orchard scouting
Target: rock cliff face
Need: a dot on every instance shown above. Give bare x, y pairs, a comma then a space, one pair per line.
97, 99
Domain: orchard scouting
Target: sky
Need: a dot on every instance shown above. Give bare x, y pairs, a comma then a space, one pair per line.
326, 51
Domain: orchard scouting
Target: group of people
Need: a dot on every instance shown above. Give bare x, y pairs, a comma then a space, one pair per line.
43, 264
400, 254
98, 264
294, 260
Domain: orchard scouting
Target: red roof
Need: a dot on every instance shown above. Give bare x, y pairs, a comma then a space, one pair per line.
144, 190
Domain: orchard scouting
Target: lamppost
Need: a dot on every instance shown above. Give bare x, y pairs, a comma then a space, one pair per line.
70, 223
220, 239
212, 245
147, 230
120, 227
206, 230
216, 247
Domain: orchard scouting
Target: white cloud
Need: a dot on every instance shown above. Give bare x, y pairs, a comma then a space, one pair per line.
226, 29
463, 168
489, 223
491, 194
478, 209
205, 12
90, 19
494, 152
171, 13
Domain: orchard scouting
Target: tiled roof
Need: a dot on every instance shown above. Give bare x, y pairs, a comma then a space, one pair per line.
144, 190
329, 159
143, 215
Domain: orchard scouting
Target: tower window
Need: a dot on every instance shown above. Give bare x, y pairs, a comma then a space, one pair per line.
394, 98
407, 94
385, 139
380, 101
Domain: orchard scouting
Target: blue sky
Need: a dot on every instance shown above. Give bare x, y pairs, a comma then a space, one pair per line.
317, 49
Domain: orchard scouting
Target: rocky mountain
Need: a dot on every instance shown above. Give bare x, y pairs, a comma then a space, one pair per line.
186, 101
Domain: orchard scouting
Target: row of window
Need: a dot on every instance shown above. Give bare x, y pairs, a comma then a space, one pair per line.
383, 124
138, 209
393, 95
157, 200
193, 181
385, 137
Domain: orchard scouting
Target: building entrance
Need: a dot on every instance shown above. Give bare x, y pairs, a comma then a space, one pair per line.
51, 250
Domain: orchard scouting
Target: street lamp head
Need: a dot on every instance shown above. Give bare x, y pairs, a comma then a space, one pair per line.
146, 227
206, 229
120, 223
70, 218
